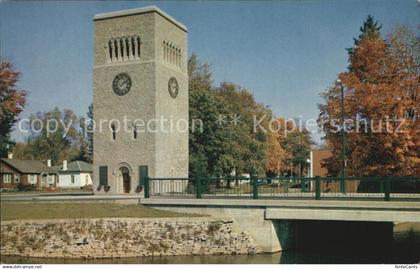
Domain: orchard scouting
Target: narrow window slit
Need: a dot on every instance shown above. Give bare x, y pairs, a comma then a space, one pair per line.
116, 49
122, 48
138, 47
133, 47
127, 49
114, 134
110, 50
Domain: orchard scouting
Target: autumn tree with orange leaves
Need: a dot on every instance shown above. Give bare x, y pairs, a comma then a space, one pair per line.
12, 102
381, 108
277, 157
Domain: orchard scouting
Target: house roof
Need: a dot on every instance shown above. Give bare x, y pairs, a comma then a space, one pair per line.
77, 166
29, 166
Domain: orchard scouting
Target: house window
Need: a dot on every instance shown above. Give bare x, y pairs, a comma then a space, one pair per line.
86, 179
7, 178
17, 178
32, 179
50, 179
72, 179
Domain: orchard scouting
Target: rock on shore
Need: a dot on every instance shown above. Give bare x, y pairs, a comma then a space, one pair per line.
123, 237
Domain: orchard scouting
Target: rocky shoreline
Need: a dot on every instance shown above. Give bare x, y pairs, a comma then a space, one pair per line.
123, 238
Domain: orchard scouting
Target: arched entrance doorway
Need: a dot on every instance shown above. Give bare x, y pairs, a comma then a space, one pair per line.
125, 179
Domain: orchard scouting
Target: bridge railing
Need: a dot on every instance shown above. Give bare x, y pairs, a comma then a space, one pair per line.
385, 188
169, 187
199, 187
285, 187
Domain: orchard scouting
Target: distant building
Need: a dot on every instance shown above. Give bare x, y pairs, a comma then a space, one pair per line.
26, 172
317, 158
74, 175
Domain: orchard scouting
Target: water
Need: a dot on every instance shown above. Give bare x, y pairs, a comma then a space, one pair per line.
404, 249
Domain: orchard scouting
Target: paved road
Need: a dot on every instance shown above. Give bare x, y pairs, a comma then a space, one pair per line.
68, 196
314, 204
63, 196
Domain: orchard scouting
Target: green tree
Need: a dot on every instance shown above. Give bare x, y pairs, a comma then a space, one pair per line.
56, 135
298, 145
12, 102
88, 133
209, 143
227, 141
249, 145
83, 142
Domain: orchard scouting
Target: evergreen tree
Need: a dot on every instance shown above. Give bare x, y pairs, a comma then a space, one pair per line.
370, 29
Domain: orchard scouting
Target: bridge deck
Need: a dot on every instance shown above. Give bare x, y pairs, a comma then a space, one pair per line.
297, 195
385, 211
388, 205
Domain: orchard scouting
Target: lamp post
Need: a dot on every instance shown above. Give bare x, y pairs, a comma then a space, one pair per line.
343, 140
309, 174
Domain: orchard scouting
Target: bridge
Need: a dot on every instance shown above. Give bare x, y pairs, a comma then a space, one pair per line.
280, 213
277, 212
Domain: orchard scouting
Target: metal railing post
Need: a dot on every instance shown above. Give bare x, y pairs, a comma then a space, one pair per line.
302, 185
387, 188
198, 187
254, 189
317, 188
146, 187
381, 186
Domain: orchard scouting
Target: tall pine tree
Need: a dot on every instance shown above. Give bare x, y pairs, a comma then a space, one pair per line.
369, 29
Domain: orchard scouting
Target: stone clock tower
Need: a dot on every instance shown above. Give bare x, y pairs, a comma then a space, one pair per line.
140, 99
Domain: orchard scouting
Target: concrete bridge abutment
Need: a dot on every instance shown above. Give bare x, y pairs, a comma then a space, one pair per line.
275, 228
264, 232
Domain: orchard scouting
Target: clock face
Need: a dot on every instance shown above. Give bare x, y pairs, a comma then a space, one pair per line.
121, 84
173, 87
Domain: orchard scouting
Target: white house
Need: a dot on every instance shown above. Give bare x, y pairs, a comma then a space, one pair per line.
74, 175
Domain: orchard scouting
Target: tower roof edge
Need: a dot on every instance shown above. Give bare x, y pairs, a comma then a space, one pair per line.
136, 11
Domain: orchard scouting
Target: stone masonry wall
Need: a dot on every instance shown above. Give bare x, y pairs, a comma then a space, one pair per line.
111, 238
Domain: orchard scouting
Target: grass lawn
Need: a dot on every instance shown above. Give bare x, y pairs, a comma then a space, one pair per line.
13, 211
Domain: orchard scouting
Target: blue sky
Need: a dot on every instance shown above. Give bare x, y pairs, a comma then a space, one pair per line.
285, 52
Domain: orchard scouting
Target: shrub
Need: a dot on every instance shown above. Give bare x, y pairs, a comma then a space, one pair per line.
23, 187
213, 227
154, 247
87, 188
139, 189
